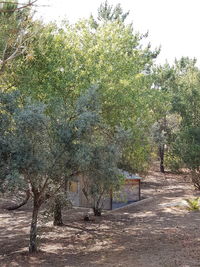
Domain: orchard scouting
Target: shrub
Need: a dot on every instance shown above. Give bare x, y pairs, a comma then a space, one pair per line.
193, 204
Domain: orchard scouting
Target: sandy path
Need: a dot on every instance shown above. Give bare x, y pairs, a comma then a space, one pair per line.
153, 233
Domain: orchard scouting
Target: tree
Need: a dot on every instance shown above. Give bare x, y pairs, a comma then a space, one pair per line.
11, 6
8, 106
68, 60
33, 157
186, 102
163, 81
47, 150
186, 92
14, 31
107, 12
187, 147
102, 175
15, 21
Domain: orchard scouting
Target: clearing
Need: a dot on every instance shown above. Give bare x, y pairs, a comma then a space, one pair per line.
154, 232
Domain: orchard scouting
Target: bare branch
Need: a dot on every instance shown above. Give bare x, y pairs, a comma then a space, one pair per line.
17, 8
17, 206
14, 55
19, 50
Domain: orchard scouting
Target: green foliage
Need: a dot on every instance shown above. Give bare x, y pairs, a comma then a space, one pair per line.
137, 153
102, 176
8, 7
177, 113
53, 127
41, 147
187, 148
8, 105
186, 94
173, 162
15, 35
193, 204
47, 149
107, 12
48, 212
185, 102
166, 122
188, 145
63, 62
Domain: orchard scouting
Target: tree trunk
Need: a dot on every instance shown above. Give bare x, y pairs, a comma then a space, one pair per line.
33, 230
58, 213
97, 211
161, 154
17, 206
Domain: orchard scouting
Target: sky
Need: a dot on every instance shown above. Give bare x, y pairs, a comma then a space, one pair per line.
172, 24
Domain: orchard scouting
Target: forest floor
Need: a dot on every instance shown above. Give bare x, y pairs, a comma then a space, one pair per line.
158, 231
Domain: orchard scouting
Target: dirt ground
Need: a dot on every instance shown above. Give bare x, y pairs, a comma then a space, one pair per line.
154, 232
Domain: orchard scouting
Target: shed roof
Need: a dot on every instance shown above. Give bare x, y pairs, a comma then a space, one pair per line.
130, 176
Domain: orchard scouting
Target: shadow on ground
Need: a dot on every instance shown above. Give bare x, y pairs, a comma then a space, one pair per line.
146, 235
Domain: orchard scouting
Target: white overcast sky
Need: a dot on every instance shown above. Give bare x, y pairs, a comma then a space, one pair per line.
173, 24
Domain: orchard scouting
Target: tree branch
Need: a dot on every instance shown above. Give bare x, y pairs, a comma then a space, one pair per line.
17, 206
17, 8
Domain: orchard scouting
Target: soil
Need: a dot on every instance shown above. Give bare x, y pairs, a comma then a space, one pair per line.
158, 231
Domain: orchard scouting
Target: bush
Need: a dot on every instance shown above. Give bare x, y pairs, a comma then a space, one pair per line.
174, 163
193, 204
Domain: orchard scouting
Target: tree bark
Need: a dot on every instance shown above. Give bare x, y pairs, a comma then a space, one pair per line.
57, 213
161, 154
33, 230
17, 206
97, 211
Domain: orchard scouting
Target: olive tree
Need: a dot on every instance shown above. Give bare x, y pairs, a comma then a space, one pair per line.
49, 144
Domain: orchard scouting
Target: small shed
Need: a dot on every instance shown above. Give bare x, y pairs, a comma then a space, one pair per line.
129, 192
